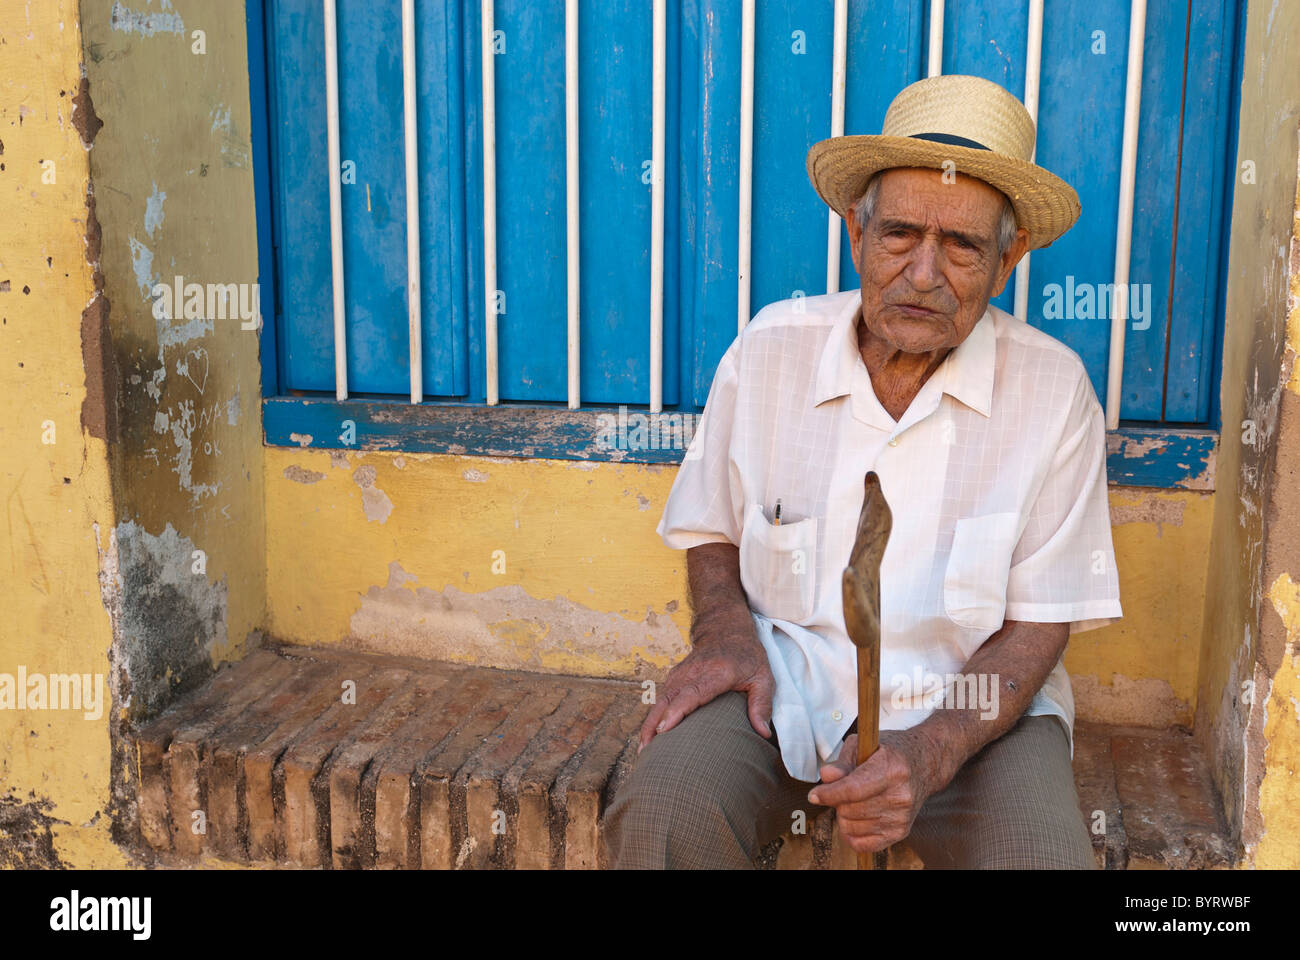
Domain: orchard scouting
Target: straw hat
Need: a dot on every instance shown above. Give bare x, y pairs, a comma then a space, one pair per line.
974, 123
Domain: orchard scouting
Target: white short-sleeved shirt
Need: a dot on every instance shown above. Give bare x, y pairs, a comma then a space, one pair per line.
996, 476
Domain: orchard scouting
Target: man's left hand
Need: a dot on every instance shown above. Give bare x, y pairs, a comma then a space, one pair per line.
877, 802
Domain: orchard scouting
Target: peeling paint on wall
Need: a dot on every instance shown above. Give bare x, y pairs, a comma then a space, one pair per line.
168, 617
84, 120
99, 408
27, 834
1278, 837
153, 211
374, 501
1151, 509
1132, 447
301, 475
182, 424
142, 264
147, 23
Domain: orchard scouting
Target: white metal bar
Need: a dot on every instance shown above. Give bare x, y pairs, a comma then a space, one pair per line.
412, 201
336, 199
839, 60
746, 161
573, 258
489, 202
1124, 225
1033, 70
657, 207
936, 39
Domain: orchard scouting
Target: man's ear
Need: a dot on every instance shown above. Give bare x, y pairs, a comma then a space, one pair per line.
855, 235
1010, 258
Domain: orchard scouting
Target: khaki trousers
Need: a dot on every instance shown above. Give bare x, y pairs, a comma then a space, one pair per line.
710, 793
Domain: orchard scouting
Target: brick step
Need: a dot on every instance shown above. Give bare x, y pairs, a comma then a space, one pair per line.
429, 765
313, 757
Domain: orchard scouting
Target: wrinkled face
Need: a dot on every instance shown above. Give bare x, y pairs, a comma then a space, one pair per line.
928, 258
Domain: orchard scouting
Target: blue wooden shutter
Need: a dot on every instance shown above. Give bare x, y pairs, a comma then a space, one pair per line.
374, 208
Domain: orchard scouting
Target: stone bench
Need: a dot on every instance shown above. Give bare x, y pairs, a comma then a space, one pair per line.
315, 757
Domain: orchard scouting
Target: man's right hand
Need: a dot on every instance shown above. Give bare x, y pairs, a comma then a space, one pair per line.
736, 661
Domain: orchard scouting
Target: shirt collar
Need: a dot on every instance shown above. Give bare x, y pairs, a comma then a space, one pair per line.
967, 372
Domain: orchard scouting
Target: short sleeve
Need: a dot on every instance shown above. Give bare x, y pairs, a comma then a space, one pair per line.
1063, 568
701, 506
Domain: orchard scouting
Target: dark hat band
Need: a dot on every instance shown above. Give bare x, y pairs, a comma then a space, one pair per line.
950, 139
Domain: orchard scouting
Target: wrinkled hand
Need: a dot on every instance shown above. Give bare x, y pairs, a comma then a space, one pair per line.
706, 673
877, 802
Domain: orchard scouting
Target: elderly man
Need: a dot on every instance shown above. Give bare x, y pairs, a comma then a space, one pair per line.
990, 448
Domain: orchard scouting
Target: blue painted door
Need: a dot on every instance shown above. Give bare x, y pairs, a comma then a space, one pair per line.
1186, 144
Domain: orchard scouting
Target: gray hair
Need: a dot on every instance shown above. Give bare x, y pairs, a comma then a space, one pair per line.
866, 207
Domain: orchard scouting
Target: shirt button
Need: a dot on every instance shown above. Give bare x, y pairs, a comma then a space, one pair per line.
893, 443
836, 715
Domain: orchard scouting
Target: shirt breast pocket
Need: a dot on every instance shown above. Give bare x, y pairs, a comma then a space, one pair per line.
777, 565
975, 581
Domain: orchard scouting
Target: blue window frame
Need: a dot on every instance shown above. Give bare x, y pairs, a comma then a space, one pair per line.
1184, 186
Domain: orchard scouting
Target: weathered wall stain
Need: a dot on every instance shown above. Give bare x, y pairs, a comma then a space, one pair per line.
99, 409
169, 618
27, 834
84, 120
1194, 473
374, 501
301, 475
1141, 702
1274, 840
507, 628
147, 23
1150, 509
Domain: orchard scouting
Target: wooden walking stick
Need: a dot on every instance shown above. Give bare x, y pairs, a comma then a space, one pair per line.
861, 590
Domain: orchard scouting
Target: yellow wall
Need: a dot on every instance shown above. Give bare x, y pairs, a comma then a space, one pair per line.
156, 423
545, 565
1143, 670
174, 181
1273, 840
1278, 843
54, 765
1251, 734
395, 553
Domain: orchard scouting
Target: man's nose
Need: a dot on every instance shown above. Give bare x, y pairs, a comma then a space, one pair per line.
925, 271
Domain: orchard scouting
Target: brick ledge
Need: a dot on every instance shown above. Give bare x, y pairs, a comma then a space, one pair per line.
445, 766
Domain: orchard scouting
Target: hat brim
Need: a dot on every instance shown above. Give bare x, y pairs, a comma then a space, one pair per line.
1045, 205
